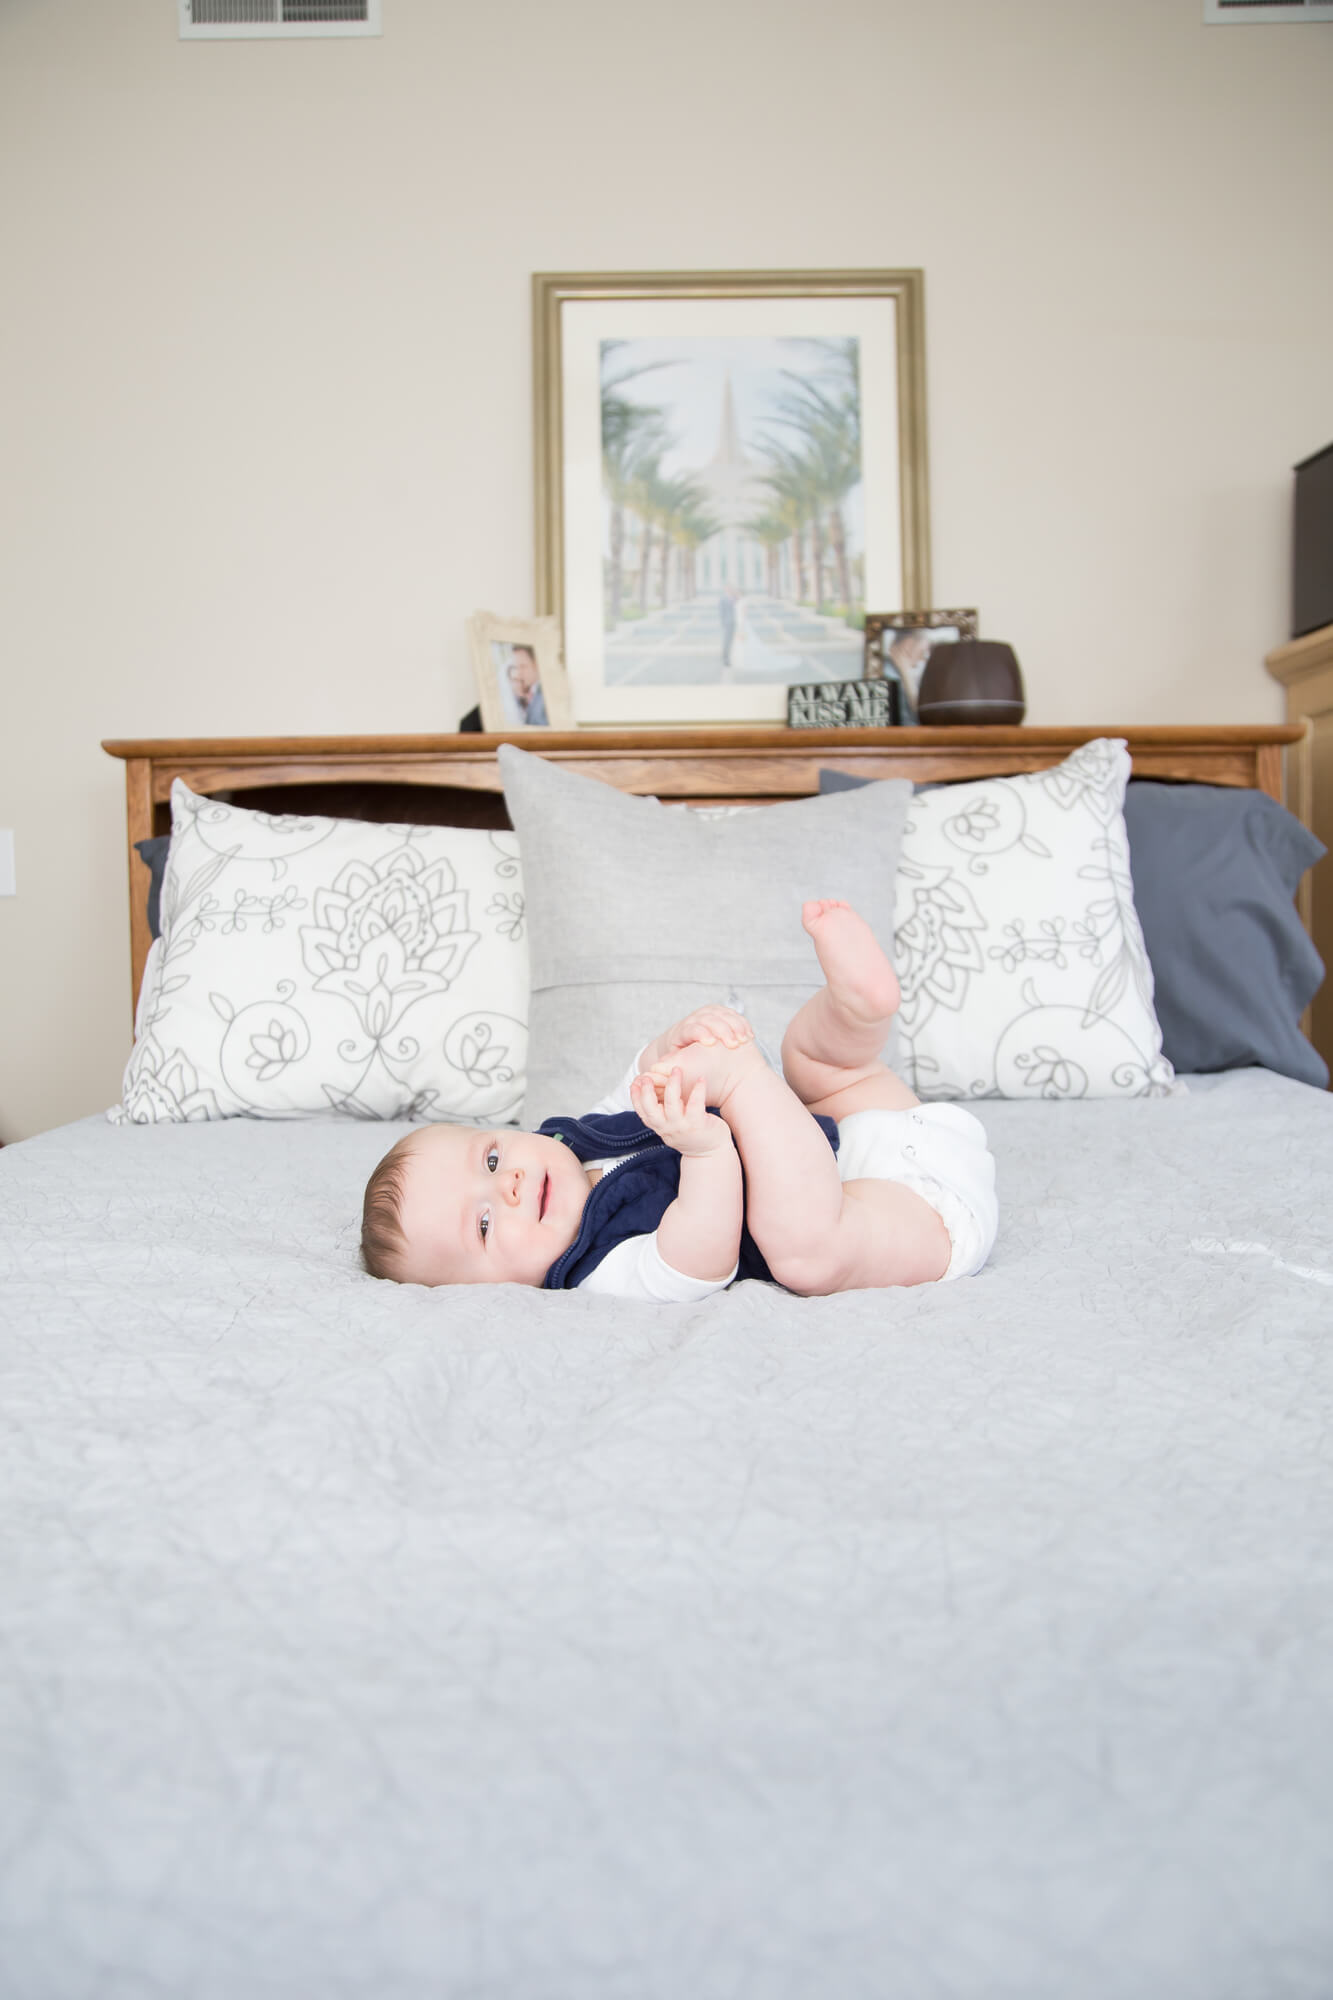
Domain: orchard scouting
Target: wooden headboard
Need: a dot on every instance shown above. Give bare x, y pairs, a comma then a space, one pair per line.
455, 780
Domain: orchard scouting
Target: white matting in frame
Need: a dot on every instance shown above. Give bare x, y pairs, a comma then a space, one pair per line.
654, 684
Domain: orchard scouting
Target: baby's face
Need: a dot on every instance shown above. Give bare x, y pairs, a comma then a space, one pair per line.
488, 1208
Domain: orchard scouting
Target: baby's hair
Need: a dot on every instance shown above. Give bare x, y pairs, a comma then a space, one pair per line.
382, 1238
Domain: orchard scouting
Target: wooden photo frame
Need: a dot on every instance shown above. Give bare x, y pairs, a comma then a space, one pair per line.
898, 643
729, 467
521, 680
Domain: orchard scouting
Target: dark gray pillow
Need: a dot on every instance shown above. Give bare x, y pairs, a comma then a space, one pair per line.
1215, 870
153, 853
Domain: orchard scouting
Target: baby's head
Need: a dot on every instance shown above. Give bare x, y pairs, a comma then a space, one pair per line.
451, 1206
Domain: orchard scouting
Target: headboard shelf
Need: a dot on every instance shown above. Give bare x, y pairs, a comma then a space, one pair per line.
681, 763
455, 779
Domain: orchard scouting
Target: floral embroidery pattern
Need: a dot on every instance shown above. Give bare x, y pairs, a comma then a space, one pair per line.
506, 846
1034, 980
166, 1089
509, 912
937, 950
488, 1048
270, 1054
312, 965
386, 934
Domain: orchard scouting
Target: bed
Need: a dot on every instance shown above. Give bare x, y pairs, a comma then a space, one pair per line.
369, 1641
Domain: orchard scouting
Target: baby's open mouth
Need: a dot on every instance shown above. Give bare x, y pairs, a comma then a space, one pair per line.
545, 1196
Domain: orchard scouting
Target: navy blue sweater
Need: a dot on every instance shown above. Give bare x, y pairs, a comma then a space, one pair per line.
632, 1200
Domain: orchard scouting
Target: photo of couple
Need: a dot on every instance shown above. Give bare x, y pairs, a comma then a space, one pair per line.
898, 646
521, 680
520, 683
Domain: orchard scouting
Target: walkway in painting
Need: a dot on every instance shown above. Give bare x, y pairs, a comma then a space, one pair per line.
773, 642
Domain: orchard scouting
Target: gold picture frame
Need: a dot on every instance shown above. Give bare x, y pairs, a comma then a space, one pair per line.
578, 320
521, 680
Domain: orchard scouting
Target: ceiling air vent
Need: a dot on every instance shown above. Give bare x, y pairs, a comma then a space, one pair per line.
1266, 10
236, 20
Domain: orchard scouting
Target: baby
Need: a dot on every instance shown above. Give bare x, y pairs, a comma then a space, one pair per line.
849, 1180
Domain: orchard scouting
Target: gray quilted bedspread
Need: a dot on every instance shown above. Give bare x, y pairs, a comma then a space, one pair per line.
367, 1641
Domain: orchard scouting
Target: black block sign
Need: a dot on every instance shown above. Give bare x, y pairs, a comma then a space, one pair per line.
843, 705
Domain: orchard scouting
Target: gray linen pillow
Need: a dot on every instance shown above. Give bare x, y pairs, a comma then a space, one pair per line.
636, 913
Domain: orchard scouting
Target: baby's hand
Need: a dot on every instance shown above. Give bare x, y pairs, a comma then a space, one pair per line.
714, 1023
711, 1063
683, 1121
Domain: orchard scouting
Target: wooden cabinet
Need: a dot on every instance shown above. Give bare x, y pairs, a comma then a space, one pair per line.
1305, 669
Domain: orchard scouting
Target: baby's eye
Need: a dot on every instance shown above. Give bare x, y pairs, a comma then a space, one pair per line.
492, 1158
484, 1226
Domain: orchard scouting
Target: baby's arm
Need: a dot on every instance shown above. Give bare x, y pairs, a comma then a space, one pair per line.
794, 1197
700, 1234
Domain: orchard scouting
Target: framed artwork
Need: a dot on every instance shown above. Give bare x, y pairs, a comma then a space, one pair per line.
898, 643
521, 683
729, 468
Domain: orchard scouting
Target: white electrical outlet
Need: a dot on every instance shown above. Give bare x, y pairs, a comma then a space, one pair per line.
7, 887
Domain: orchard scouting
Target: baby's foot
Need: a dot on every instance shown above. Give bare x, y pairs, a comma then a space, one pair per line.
861, 982
720, 1067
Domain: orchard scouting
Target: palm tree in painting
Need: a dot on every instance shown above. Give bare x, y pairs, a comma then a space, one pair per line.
790, 480
653, 498
828, 408
771, 530
834, 471
817, 463
628, 461
692, 528
680, 501
631, 476
634, 436
789, 508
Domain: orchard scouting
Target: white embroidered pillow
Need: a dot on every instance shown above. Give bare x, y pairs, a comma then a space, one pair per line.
311, 965
1023, 967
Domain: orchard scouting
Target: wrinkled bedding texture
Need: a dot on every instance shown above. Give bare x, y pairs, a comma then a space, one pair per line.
369, 1641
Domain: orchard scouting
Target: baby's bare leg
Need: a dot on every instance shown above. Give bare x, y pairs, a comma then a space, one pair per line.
887, 1235
817, 1234
831, 1050
794, 1197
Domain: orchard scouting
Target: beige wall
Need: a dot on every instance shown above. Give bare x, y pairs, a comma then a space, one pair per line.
265, 336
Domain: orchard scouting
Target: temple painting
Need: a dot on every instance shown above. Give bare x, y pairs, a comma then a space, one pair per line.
733, 546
